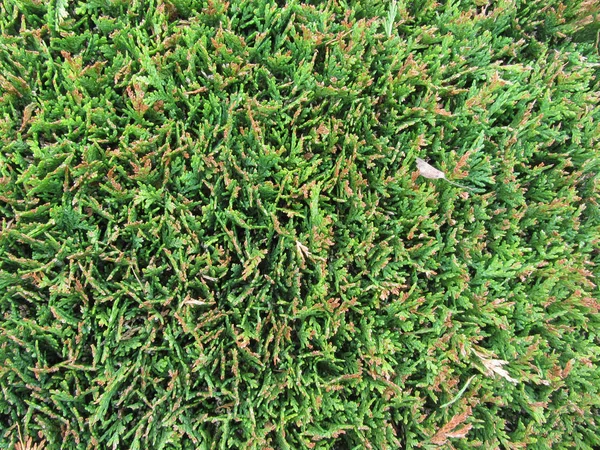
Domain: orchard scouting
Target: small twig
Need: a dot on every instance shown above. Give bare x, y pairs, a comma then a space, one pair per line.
460, 393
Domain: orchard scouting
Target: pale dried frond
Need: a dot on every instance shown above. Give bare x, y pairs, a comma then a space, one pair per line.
302, 250
455, 428
28, 443
494, 366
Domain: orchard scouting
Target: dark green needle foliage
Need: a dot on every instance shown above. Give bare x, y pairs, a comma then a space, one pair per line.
213, 233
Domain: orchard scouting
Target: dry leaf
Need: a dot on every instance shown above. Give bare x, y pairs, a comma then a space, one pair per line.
494, 366
428, 171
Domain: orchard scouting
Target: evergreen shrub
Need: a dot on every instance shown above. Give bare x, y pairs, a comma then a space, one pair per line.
213, 232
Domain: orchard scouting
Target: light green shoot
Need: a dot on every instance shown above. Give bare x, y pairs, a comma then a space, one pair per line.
391, 18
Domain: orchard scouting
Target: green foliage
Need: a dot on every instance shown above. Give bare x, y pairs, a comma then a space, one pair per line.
213, 234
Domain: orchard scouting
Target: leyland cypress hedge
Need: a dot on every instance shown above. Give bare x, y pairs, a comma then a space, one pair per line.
214, 234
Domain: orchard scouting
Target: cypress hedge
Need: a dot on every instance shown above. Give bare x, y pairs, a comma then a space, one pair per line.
214, 233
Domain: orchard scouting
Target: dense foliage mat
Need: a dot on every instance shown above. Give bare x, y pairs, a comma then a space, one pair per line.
214, 234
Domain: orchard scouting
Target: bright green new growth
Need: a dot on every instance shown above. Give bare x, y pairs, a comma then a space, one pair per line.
391, 18
213, 234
